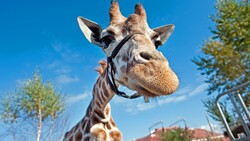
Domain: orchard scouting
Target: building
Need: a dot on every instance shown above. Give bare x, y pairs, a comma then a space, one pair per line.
197, 135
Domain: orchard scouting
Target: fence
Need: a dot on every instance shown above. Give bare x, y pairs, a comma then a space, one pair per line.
243, 113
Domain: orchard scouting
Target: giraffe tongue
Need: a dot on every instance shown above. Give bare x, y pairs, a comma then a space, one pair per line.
146, 99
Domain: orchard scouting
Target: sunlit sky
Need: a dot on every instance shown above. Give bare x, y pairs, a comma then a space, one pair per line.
45, 35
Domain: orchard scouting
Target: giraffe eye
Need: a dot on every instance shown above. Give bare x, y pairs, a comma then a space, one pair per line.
156, 40
157, 44
106, 40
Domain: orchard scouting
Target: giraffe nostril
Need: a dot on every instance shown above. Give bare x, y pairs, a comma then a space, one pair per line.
145, 55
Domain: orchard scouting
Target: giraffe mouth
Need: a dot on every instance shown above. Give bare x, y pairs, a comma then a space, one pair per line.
152, 79
145, 92
148, 89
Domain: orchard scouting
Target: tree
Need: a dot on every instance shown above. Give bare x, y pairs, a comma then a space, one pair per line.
177, 134
226, 60
34, 102
214, 112
9, 114
54, 106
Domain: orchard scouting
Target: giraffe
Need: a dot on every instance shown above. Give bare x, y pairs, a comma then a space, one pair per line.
97, 123
132, 61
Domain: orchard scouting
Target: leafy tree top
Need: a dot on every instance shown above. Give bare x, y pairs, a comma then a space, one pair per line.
38, 96
226, 59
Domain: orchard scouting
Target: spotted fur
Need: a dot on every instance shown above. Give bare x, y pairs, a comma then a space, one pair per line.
137, 65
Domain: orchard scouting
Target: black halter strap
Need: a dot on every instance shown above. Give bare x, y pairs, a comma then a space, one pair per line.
111, 63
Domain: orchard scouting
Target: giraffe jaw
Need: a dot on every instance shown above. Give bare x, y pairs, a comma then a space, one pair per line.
149, 93
153, 79
144, 92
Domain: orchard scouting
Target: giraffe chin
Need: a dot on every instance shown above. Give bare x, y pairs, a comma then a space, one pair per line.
162, 83
145, 92
152, 90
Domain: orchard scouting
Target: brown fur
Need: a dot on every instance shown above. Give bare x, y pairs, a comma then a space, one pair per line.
115, 14
144, 70
103, 66
140, 11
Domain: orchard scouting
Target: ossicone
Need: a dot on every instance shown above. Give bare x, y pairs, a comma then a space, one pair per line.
139, 10
115, 13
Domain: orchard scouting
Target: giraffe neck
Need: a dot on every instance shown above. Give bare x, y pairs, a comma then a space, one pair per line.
98, 122
102, 94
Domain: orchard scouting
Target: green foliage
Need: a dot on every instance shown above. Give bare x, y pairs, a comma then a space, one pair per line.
38, 96
35, 102
226, 60
247, 100
54, 106
214, 112
9, 111
177, 134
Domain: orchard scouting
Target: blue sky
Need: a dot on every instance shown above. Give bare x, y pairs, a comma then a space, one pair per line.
45, 35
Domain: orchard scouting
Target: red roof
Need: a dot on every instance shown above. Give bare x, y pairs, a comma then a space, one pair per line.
197, 134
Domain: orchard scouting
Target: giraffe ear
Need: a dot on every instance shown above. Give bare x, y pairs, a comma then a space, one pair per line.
91, 30
164, 32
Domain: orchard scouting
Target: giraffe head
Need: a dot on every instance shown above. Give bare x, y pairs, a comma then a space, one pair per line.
138, 65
